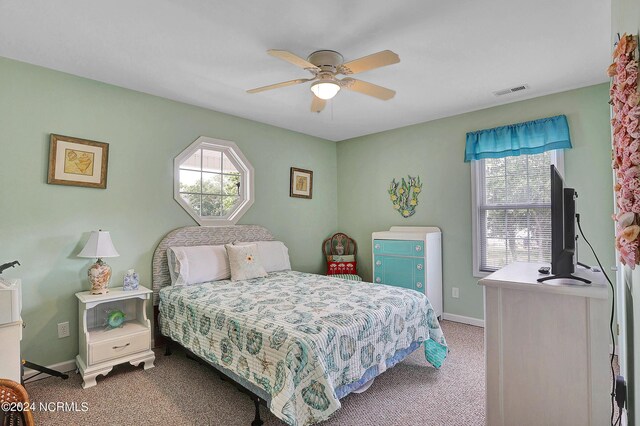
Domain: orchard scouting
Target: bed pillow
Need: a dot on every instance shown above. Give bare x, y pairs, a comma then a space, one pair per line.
274, 255
341, 258
173, 268
197, 264
245, 262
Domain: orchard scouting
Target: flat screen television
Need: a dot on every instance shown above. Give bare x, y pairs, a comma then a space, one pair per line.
563, 230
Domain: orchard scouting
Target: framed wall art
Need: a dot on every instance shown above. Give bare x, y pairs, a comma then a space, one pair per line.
301, 183
77, 162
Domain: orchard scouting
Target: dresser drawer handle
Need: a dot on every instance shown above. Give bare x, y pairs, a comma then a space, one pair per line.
378, 262
418, 248
378, 279
120, 347
377, 246
419, 285
419, 266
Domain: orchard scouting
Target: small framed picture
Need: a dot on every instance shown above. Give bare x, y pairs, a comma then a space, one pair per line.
78, 162
301, 183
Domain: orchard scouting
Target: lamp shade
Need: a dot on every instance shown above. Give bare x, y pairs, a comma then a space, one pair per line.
325, 89
99, 245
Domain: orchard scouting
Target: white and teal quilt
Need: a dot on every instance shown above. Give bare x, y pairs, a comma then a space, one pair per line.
300, 336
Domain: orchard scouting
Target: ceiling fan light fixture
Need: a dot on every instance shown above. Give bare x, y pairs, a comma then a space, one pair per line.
325, 89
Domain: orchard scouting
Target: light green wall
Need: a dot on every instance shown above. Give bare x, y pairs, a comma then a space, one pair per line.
434, 151
44, 226
625, 18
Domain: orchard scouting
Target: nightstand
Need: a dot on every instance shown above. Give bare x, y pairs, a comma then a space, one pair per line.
101, 348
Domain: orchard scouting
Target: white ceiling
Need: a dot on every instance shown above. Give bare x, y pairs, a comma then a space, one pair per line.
208, 52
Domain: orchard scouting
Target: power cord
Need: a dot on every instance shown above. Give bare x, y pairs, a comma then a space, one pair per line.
613, 352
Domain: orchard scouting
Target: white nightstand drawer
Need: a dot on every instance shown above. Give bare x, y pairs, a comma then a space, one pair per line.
116, 348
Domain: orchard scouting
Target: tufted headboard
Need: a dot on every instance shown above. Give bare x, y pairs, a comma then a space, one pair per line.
199, 236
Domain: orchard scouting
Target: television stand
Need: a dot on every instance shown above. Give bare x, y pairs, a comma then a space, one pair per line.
564, 379
564, 276
584, 265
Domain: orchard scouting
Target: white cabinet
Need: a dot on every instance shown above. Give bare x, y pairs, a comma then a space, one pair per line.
10, 300
10, 330
101, 347
10, 336
546, 348
410, 257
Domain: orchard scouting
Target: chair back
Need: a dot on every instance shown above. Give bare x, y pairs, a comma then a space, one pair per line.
14, 393
339, 244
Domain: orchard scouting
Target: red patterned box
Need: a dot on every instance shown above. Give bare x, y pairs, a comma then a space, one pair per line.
334, 268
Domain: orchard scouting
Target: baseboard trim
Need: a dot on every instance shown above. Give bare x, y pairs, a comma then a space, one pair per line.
464, 320
63, 367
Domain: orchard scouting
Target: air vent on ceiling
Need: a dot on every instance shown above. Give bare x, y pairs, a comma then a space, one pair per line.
511, 90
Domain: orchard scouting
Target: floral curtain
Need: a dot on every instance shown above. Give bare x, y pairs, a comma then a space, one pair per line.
531, 137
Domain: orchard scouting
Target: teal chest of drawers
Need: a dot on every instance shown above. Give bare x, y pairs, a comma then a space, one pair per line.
410, 257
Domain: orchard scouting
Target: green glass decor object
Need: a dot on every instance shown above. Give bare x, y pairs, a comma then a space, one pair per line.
404, 195
115, 319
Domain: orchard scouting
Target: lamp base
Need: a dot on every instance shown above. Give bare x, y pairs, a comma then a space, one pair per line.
99, 276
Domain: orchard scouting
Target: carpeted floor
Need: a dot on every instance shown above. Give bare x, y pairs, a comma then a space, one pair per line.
181, 391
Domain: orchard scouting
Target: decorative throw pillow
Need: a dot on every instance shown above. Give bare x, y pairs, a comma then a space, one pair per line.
244, 262
341, 258
274, 255
334, 268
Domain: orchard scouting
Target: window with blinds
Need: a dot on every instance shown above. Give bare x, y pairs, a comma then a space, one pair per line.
513, 210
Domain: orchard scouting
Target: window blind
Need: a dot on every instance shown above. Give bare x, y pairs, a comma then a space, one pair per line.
514, 210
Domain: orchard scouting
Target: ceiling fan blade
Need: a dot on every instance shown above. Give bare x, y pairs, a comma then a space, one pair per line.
278, 85
368, 88
293, 59
376, 60
317, 104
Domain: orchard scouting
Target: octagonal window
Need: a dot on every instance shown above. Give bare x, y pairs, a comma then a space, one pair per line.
213, 181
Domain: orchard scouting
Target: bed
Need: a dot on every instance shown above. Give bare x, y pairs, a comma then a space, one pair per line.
297, 342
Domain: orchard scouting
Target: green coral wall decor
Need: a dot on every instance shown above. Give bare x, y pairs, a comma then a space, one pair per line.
404, 195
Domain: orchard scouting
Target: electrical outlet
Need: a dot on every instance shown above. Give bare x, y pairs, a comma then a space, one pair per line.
63, 329
455, 292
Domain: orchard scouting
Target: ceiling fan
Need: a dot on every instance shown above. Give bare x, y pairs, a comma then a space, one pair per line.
325, 65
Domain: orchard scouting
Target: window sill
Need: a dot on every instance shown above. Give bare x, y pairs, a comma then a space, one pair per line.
481, 274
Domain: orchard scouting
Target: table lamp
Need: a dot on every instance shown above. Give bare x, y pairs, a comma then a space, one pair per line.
98, 246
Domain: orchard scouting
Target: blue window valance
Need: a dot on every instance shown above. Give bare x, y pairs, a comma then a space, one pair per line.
531, 137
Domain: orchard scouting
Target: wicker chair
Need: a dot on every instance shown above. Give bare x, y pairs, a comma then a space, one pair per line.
340, 244
13, 392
